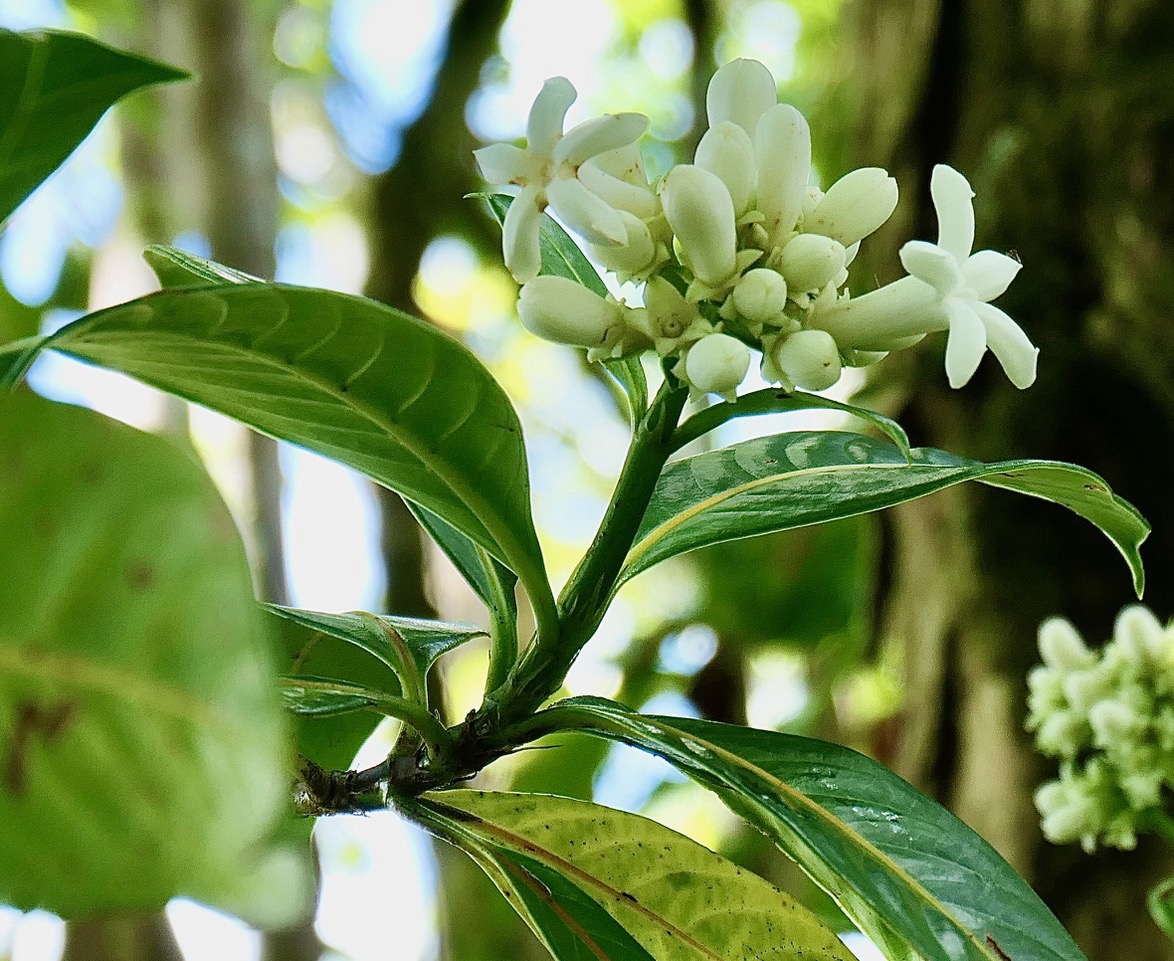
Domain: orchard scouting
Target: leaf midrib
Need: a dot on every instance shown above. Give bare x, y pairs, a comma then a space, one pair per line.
350, 402
801, 800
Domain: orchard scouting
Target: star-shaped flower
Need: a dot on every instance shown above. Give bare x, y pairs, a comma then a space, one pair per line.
547, 170
948, 288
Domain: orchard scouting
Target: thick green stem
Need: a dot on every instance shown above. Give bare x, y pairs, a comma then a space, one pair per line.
503, 629
584, 599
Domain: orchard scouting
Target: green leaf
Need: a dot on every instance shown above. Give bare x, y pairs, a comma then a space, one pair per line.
775, 401
915, 879
807, 477
143, 751
333, 740
673, 897
407, 645
561, 257
178, 268
346, 377
326, 696
1160, 902
56, 87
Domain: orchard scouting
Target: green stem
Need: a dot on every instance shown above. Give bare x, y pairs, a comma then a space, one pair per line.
584, 599
424, 722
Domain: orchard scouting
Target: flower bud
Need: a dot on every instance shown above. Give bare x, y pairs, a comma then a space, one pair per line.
1071, 822
761, 295
1045, 687
561, 310
717, 364
1114, 724
1062, 647
701, 214
854, 206
637, 199
740, 92
809, 359
810, 262
726, 150
1139, 635
782, 149
1083, 688
1062, 734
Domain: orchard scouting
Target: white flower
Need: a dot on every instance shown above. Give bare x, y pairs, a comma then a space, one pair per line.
782, 147
808, 359
547, 171
949, 288
740, 92
810, 262
761, 296
726, 150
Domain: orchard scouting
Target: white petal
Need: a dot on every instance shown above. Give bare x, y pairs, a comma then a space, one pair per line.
636, 199
782, 147
881, 319
625, 163
966, 342
519, 239
1009, 344
717, 363
933, 265
635, 255
584, 212
545, 124
741, 91
952, 200
988, 273
599, 135
501, 163
701, 214
726, 150
854, 206
809, 262
809, 358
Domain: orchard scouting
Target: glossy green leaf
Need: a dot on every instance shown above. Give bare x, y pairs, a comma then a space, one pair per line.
178, 268
561, 257
327, 696
56, 87
346, 377
675, 898
407, 645
489, 578
916, 879
775, 401
143, 751
571, 925
807, 477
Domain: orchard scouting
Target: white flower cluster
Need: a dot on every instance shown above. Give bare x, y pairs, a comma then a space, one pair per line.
737, 251
1109, 717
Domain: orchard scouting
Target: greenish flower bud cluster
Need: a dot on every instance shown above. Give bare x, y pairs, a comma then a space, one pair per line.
1108, 716
738, 252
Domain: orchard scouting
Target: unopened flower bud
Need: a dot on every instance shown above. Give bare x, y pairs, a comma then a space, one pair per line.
740, 92
717, 364
701, 214
810, 262
761, 295
1085, 687
1114, 724
1071, 822
1046, 692
782, 148
561, 310
1062, 734
1062, 647
809, 359
726, 150
1139, 635
854, 206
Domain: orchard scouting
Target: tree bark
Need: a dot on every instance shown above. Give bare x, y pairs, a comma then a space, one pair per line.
1055, 112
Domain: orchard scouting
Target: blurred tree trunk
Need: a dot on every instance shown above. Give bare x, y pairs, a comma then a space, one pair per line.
1061, 113
125, 938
